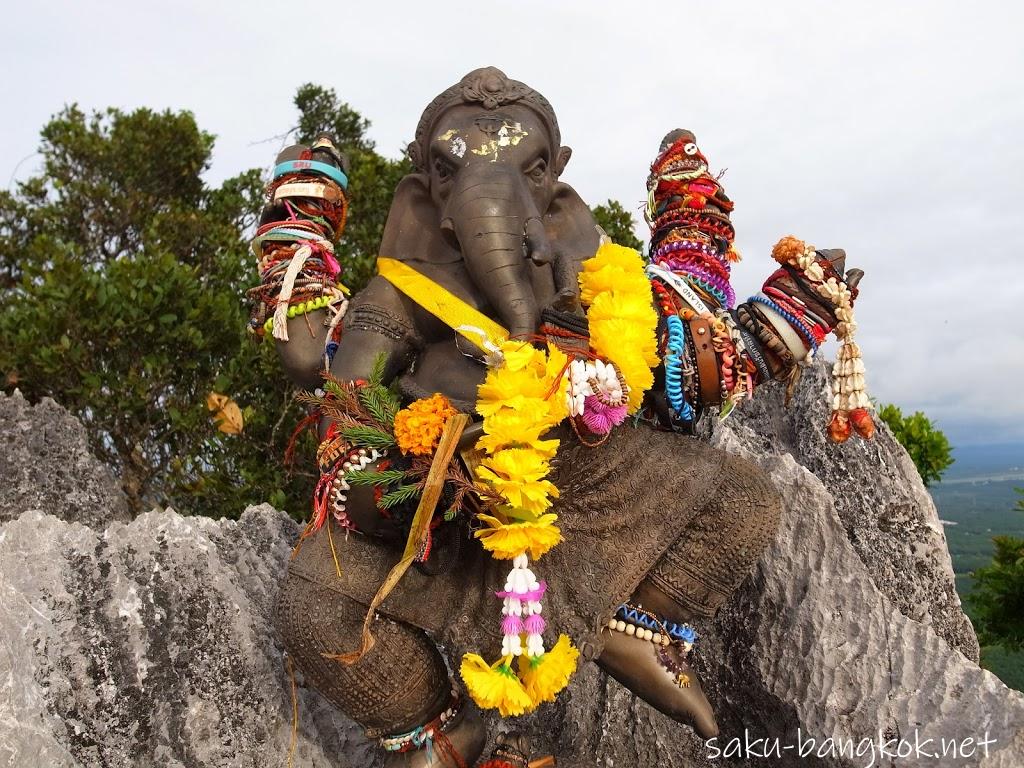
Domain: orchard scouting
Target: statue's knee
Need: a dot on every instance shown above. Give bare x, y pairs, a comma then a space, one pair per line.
750, 489
401, 683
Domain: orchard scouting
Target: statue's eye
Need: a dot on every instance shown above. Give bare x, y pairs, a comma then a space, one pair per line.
443, 170
538, 170
690, 148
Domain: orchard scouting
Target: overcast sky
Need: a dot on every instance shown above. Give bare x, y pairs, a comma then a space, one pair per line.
891, 129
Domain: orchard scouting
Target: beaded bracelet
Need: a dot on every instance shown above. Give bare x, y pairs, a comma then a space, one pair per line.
758, 325
798, 308
425, 734
789, 328
679, 673
505, 756
639, 617
303, 308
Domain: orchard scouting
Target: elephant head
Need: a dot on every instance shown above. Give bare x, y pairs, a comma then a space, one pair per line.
486, 192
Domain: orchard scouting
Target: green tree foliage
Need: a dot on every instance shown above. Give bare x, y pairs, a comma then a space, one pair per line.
998, 594
372, 178
928, 447
123, 275
618, 223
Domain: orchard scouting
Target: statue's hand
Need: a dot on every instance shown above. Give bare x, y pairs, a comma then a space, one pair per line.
360, 504
793, 283
837, 258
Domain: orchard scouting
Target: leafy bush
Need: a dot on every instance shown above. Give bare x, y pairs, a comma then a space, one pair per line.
998, 594
617, 223
122, 281
928, 447
122, 274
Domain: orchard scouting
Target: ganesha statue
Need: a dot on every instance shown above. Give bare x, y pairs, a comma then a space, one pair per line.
509, 466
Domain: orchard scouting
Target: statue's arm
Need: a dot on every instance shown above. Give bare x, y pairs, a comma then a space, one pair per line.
302, 356
778, 336
379, 323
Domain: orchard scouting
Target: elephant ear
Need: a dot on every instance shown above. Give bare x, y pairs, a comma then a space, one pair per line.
570, 225
413, 229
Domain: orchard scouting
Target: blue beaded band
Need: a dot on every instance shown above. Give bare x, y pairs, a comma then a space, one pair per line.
674, 368
325, 169
791, 319
423, 736
683, 632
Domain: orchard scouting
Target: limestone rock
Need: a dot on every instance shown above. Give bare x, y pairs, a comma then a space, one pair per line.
46, 464
848, 628
150, 643
888, 515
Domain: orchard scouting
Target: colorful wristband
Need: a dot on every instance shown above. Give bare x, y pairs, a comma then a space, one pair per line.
325, 169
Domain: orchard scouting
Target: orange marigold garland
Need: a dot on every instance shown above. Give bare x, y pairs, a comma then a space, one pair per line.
419, 426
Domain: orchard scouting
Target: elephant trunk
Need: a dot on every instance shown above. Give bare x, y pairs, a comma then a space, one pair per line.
489, 220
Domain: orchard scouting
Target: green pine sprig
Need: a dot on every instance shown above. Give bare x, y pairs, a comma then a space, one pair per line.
372, 477
381, 403
400, 495
368, 437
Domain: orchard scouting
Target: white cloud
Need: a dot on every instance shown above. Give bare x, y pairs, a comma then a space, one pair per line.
890, 129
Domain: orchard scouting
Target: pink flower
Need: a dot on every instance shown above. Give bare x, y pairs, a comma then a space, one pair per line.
534, 624
600, 418
512, 625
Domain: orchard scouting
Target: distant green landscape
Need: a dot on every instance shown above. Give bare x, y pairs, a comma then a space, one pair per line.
975, 501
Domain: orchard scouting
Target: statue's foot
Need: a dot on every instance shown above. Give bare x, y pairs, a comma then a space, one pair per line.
676, 692
466, 737
511, 750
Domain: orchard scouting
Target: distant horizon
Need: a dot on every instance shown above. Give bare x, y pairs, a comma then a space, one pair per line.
1003, 462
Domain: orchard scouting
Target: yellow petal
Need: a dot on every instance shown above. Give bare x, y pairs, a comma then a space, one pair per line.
508, 540
544, 677
494, 686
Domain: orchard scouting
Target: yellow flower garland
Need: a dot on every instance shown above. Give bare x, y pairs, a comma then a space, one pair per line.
622, 317
521, 399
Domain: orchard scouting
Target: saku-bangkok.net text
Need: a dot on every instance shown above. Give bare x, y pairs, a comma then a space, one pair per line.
872, 751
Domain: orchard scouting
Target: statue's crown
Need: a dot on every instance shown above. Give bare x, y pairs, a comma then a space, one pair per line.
490, 87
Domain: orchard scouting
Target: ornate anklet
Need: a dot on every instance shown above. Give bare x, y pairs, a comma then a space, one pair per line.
636, 622
505, 756
617, 625
425, 735
679, 674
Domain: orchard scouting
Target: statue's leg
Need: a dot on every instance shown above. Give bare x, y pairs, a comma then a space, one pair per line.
399, 686
717, 549
694, 577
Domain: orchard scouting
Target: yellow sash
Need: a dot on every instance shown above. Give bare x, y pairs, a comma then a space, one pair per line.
470, 323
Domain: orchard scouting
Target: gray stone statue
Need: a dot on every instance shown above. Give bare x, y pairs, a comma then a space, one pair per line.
659, 528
